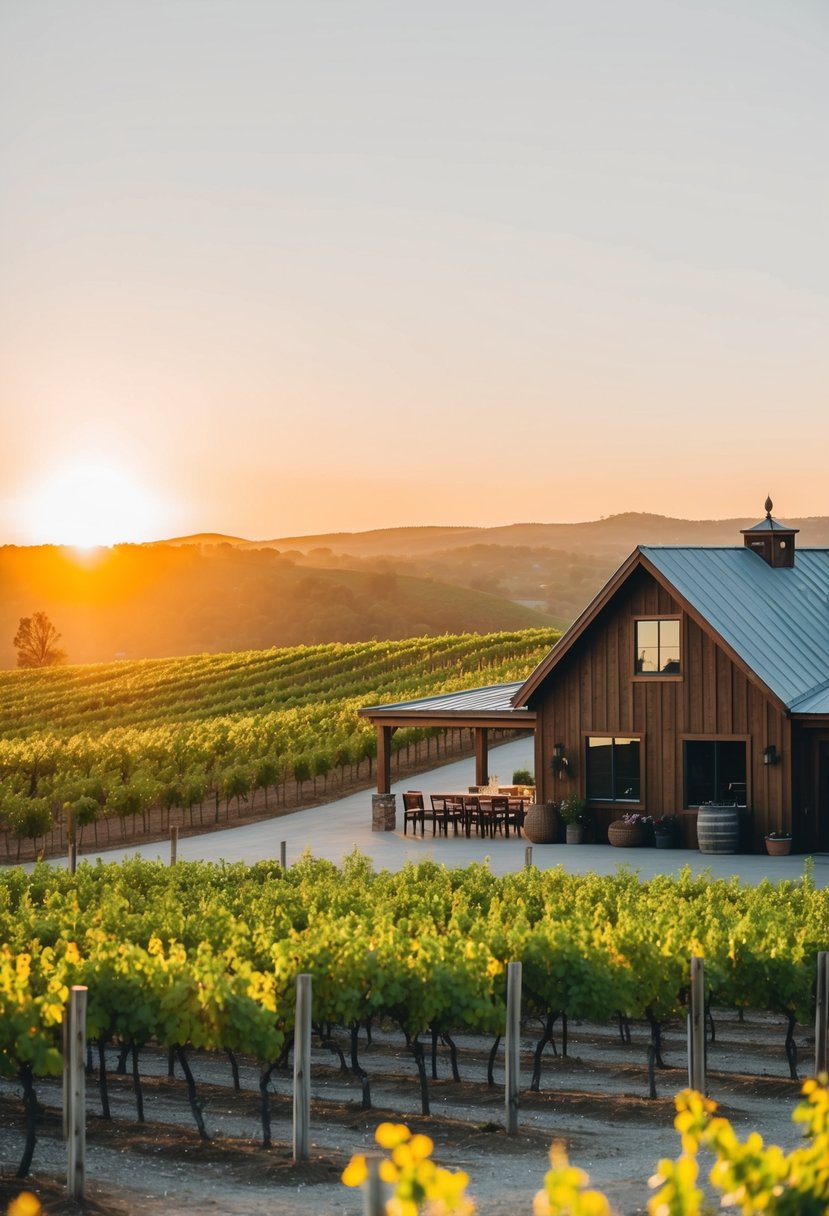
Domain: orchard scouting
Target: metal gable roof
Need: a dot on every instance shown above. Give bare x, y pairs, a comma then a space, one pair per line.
497, 698
775, 619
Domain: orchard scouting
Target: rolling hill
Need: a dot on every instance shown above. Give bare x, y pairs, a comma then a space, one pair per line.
152, 601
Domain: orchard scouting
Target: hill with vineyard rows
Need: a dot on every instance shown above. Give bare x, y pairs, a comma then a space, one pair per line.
192, 739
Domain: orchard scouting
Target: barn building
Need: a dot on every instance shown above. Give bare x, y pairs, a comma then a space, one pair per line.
697, 674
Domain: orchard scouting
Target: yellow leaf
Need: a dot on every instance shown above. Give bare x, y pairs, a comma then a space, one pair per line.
356, 1172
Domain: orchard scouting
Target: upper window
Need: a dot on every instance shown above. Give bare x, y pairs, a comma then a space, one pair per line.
657, 647
613, 769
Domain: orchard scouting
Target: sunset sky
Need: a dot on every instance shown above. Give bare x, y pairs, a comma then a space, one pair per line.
276, 267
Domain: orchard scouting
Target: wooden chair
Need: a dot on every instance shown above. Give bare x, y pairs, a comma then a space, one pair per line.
443, 808
413, 811
499, 814
478, 814
438, 815
517, 811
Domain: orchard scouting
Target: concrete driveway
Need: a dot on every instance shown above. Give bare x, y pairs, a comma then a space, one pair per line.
336, 829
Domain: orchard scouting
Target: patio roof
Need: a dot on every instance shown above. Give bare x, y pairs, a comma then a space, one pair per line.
489, 706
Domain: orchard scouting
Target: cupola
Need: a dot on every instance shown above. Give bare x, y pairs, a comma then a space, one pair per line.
771, 540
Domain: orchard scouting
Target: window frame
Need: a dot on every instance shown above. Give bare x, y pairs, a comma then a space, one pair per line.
657, 618
613, 735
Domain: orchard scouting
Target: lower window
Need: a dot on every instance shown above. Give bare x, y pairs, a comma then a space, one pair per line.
715, 771
613, 769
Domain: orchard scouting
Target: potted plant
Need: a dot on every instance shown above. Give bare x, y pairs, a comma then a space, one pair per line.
665, 831
575, 816
631, 831
779, 844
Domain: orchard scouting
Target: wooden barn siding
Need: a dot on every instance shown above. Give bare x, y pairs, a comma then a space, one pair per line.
593, 692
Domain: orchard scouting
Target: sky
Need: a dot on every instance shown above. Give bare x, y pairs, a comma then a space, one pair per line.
272, 268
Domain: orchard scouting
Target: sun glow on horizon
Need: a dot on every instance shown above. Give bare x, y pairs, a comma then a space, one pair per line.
89, 505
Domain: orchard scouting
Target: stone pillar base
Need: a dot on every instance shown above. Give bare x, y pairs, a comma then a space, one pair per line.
383, 812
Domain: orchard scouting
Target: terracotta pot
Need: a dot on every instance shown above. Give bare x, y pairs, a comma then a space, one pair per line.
777, 847
541, 823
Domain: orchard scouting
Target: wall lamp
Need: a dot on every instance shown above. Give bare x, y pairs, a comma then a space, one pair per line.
770, 755
559, 762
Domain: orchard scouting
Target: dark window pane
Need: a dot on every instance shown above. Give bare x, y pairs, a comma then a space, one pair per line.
626, 769
700, 777
731, 772
600, 768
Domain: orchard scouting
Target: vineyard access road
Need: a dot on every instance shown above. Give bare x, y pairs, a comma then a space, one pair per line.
334, 830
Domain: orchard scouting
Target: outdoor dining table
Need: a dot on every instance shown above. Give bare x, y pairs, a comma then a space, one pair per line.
466, 808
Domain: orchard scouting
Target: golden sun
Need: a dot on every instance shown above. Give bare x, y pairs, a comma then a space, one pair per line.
90, 505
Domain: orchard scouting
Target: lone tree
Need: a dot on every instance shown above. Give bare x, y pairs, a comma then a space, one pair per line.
36, 641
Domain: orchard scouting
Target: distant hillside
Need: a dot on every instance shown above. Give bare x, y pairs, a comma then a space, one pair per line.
555, 567
150, 601
210, 592
617, 535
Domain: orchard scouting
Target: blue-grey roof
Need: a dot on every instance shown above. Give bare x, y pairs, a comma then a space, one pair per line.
775, 619
495, 698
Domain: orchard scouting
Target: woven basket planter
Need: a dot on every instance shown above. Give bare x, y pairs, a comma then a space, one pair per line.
541, 823
626, 835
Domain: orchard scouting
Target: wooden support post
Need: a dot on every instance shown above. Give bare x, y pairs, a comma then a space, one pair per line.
481, 755
384, 734
66, 1091
75, 1095
374, 1200
528, 856
72, 857
822, 1014
696, 1026
513, 1046
283, 854
173, 844
302, 1067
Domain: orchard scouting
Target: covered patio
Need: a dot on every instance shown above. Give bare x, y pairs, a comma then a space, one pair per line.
480, 710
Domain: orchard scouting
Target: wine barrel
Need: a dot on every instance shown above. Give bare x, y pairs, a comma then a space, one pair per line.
718, 829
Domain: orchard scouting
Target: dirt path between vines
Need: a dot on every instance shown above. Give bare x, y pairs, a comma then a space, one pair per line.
595, 1099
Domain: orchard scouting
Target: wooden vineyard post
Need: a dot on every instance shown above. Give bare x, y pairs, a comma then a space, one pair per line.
374, 1200
283, 854
302, 1067
822, 1013
173, 844
72, 848
74, 1091
513, 1046
696, 1026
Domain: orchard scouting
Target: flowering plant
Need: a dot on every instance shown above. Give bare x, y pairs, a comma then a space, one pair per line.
664, 823
634, 820
779, 836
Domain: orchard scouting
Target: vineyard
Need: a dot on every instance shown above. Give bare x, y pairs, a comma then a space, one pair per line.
205, 958
105, 746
